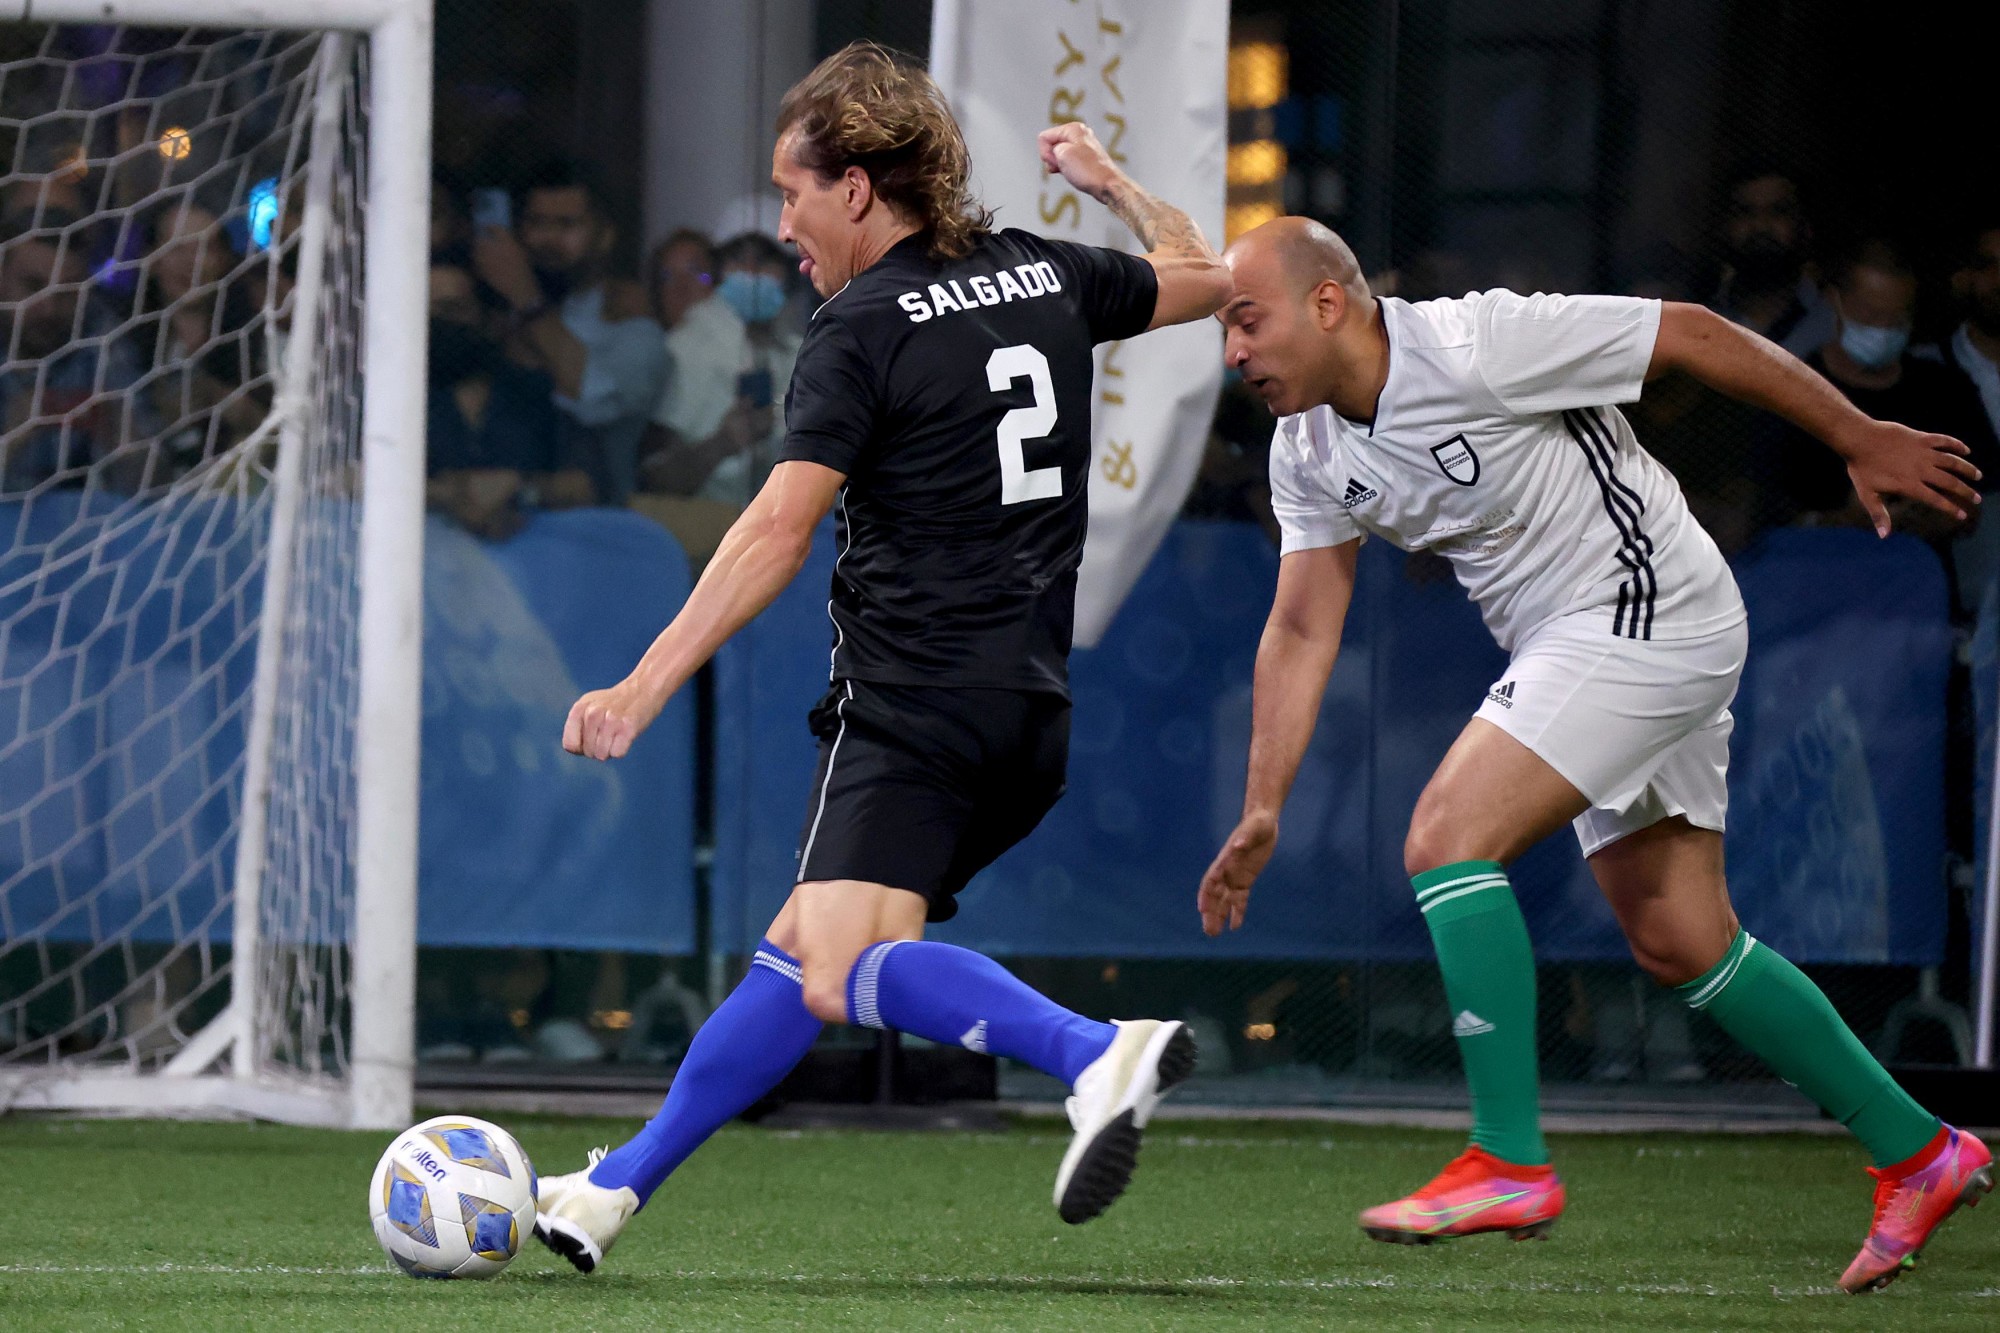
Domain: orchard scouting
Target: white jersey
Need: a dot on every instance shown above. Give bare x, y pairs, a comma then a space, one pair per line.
1495, 444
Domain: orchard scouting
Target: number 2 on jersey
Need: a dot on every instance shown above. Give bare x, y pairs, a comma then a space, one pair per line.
1017, 484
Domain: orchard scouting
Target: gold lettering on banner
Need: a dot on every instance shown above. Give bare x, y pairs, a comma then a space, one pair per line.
1107, 73
1107, 395
1119, 469
1065, 105
1071, 56
1117, 124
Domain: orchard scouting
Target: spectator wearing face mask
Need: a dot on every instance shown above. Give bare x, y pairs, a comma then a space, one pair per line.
730, 463
1874, 298
1766, 281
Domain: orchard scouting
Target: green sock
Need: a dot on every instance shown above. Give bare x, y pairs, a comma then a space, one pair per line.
1787, 1022
1489, 980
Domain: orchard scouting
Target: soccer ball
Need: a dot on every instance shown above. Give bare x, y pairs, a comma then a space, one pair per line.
453, 1197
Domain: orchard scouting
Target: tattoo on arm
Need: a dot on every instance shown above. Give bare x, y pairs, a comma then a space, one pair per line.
1158, 225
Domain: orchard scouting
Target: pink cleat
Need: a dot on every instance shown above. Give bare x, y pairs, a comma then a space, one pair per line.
1912, 1202
1476, 1193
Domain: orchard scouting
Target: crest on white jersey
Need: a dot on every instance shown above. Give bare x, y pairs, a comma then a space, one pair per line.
1456, 460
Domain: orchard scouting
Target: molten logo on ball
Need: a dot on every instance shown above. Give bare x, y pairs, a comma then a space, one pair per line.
453, 1197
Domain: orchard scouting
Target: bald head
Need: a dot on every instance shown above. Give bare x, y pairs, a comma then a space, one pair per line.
1306, 252
1300, 324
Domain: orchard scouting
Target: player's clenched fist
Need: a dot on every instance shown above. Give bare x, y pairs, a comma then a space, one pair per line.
1225, 889
604, 723
1073, 152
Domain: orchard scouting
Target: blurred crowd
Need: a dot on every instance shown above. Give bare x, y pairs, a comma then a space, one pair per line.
134, 348
1910, 344
140, 345
145, 283
556, 381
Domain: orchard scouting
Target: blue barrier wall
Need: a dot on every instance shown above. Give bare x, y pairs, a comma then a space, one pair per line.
523, 844
1837, 837
1837, 826
118, 782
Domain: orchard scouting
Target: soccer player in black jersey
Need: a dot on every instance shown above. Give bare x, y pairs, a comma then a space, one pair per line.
941, 404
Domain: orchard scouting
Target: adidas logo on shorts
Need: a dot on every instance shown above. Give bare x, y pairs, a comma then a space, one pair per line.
1502, 694
1357, 494
1469, 1024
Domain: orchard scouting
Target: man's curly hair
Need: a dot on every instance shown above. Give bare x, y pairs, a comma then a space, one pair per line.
865, 106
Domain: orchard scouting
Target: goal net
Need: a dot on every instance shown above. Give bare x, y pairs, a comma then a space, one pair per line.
184, 502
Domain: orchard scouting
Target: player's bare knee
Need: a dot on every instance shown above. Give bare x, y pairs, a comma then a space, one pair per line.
825, 990
1434, 840
1669, 964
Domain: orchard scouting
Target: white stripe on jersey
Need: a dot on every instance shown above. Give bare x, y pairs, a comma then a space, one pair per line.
1496, 444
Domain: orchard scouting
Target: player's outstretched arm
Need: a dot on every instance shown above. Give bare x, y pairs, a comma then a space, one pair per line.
1883, 459
763, 551
1193, 281
1294, 658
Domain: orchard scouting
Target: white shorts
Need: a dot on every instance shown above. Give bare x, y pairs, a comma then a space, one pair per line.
1640, 727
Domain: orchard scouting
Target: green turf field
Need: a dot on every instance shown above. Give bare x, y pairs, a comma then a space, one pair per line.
169, 1226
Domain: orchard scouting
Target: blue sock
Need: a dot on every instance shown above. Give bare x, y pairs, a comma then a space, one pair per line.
742, 1051
956, 997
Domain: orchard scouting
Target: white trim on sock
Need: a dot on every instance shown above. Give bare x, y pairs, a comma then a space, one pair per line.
863, 1010
1482, 877
784, 967
1718, 983
1460, 893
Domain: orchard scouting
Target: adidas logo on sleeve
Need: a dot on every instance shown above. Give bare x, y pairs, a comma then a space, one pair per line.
1357, 494
1502, 694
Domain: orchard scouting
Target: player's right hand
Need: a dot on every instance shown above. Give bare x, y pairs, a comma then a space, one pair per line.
1225, 889
604, 723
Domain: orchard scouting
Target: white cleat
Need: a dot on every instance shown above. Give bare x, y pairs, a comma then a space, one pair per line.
579, 1220
1114, 1098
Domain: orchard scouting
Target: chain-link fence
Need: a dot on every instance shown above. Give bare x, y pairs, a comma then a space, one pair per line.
1725, 153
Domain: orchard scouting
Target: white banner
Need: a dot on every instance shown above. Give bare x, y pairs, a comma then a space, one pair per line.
1150, 76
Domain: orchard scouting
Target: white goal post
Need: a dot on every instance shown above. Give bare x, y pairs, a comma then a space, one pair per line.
341, 948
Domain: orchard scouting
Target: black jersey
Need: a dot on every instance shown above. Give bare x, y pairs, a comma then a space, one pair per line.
955, 395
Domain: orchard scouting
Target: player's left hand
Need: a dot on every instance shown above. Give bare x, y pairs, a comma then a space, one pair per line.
1073, 152
604, 723
1225, 890
1885, 459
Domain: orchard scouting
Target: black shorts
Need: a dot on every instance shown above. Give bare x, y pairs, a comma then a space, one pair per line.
922, 787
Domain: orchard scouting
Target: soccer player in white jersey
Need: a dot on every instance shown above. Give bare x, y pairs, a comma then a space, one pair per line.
1485, 429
